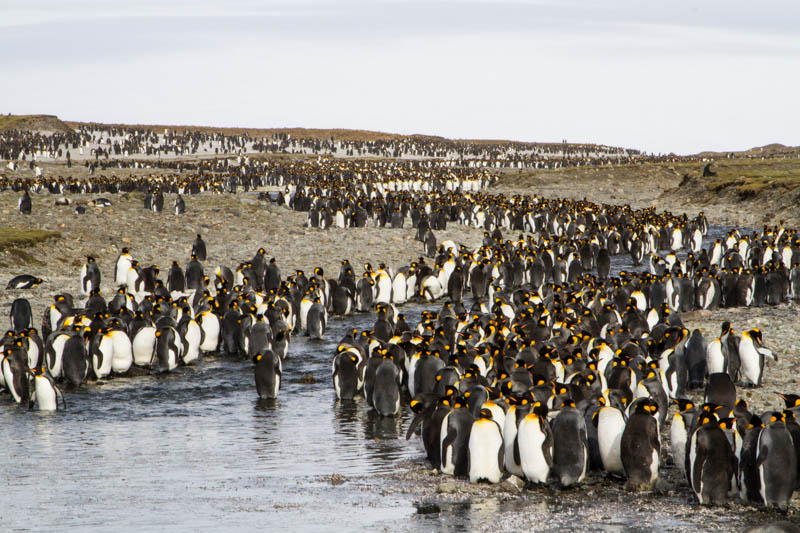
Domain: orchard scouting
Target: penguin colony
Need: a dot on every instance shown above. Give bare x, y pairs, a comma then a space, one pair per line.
555, 369
545, 379
99, 145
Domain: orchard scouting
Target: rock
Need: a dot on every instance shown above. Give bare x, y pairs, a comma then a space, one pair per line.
696, 315
307, 379
447, 487
428, 508
336, 479
513, 484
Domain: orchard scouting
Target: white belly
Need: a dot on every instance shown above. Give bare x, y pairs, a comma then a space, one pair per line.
193, 343
122, 354
714, 358
677, 439
485, 443
144, 346
107, 349
46, 399
58, 361
211, 330
531, 439
609, 436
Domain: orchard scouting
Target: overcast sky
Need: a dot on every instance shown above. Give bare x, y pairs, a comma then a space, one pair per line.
661, 76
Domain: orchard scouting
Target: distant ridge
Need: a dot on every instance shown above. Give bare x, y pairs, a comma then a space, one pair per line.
33, 123
338, 134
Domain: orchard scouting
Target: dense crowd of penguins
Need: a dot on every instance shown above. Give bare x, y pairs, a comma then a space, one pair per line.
99, 145
553, 371
536, 362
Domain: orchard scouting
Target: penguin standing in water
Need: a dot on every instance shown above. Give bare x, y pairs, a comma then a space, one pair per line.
386, 391
90, 276
751, 354
16, 373
709, 466
100, 353
485, 449
143, 340
121, 352
268, 372
316, 320
169, 348
454, 439
776, 463
347, 374
46, 393
641, 446
534, 445
75, 360
570, 445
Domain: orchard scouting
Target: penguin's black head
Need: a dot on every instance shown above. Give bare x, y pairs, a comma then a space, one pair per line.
486, 414
459, 402
791, 400
707, 419
755, 422
568, 402
775, 417
727, 423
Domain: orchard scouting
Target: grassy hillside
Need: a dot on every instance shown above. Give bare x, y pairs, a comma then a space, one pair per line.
48, 123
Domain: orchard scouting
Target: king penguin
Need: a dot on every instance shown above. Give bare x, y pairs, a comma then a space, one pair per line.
610, 426
709, 466
534, 445
776, 463
751, 354
268, 372
570, 445
90, 276
485, 449
454, 439
641, 446
386, 392
46, 393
